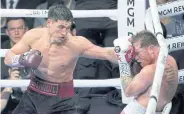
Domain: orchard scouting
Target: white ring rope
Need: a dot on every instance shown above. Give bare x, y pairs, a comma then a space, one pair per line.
82, 83
77, 83
155, 91
174, 44
148, 22
43, 13
165, 10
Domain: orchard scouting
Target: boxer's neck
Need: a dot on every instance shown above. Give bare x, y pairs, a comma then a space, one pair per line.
58, 42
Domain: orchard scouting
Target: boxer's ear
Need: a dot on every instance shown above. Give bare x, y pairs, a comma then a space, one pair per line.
49, 22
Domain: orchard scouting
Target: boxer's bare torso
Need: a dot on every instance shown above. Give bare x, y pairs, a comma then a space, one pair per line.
59, 59
168, 87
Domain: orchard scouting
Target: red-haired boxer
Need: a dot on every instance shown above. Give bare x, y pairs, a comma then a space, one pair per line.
146, 48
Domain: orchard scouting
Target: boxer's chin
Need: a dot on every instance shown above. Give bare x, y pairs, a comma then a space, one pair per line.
58, 41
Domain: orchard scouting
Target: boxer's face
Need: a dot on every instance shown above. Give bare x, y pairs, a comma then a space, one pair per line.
16, 29
142, 54
59, 29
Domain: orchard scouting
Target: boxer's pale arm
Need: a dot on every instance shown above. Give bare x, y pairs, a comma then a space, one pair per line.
5, 94
17, 49
141, 82
21, 47
125, 81
96, 52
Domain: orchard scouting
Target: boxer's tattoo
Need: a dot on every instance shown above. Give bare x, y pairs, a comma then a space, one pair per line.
170, 76
125, 81
170, 72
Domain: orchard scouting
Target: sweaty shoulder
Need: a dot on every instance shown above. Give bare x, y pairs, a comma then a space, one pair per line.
149, 69
152, 68
33, 35
171, 65
171, 60
82, 39
83, 42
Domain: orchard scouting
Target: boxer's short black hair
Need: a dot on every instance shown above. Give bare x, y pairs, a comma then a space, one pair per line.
73, 26
60, 12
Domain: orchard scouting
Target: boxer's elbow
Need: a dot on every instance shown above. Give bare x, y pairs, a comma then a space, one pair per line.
128, 93
6, 61
133, 90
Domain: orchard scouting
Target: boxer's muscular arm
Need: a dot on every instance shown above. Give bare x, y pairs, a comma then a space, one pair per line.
141, 82
22, 46
96, 52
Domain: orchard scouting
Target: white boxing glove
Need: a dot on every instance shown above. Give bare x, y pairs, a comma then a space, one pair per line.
125, 53
124, 49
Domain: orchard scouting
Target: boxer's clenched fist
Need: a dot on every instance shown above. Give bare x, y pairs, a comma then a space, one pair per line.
30, 59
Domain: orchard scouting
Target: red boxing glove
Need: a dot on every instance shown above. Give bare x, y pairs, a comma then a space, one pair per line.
130, 54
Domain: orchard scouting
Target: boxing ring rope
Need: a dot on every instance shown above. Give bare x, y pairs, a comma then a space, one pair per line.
155, 91
43, 13
77, 83
173, 44
175, 8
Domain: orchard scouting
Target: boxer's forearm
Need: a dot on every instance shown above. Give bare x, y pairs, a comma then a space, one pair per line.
96, 52
111, 55
125, 81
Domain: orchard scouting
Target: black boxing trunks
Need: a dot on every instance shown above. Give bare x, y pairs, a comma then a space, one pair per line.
44, 97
